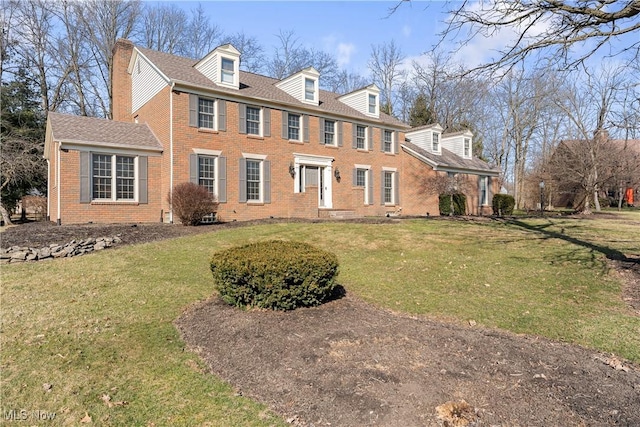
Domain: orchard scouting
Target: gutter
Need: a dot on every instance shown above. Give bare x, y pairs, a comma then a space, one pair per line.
173, 84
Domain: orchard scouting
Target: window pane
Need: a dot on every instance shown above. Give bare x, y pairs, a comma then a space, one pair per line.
361, 180
294, 127
227, 70
388, 187
388, 140
207, 173
125, 177
329, 132
253, 121
372, 104
360, 137
436, 141
253, 180
309, 89
101, 176
205, 113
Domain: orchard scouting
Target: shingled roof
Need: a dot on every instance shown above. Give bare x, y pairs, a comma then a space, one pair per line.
449, 160
181, 70
93, 131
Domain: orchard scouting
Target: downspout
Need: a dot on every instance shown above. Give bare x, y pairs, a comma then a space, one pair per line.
58, 219
171, 153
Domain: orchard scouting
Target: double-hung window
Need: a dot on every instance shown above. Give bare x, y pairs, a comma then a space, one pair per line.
361, 137
206, 113
253, 120
309, 90
255, 179
227, 71
435, 142
467, 147
207, 173
294, 127
113, 177
329, 132
484, 193
389, 188
387, 142
372, 104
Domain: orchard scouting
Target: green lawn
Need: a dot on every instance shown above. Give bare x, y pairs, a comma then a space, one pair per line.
102, 324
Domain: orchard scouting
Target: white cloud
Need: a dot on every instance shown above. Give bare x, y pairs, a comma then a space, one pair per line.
406, 31
345, 51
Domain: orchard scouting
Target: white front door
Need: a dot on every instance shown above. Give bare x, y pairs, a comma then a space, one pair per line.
314, 171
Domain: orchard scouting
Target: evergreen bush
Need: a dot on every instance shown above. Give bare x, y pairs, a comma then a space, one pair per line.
459, 204
503, 204
275, 274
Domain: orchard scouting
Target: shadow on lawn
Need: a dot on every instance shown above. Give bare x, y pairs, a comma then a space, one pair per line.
609, 253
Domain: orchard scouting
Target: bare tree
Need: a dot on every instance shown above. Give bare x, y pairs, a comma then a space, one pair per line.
252, 57
446, 183
385, 66
552, 27
201, 36
105, 22
162, 27
585, 161
345, 82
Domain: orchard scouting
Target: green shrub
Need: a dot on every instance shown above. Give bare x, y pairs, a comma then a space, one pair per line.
192, 202
459, 204
275, 274
503, 204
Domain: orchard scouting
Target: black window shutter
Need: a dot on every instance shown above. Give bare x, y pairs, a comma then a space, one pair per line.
242, 118
321, 126
222, 115
193, 110
85, 181
143, 170
242, 175
222, 179
285, 125
305, 128
266, 115
339, 131
193, 168
266, 170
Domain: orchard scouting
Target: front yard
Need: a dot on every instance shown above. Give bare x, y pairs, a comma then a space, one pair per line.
92, 338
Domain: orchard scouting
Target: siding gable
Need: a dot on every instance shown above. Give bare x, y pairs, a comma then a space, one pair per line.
146, 82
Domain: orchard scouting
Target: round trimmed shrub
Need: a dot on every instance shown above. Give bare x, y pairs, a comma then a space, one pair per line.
503, 204
459, 204
275, 274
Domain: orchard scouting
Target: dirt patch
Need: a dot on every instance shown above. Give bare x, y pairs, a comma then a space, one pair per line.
348, 363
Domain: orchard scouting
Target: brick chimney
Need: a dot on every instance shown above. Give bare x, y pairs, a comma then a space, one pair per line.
121, 81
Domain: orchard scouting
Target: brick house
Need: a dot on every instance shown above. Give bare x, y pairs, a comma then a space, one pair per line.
264, 147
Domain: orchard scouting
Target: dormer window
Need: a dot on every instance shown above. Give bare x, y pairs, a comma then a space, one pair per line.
221, 66
372, 103
309, 90
467, 147
227, 72
435, 142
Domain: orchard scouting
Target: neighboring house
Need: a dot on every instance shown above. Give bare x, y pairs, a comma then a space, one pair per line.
618, 170
264, 147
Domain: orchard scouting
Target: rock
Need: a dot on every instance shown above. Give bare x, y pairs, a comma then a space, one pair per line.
99, 245
20, 255
44, 253
32, 256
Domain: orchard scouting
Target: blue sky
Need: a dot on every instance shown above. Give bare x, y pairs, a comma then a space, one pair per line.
346, 29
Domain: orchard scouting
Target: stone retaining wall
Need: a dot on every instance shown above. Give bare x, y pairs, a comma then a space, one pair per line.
73, 248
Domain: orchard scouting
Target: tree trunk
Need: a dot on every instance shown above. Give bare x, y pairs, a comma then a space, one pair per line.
5, 215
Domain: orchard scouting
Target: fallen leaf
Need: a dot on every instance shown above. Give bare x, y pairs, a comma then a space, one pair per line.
86, 419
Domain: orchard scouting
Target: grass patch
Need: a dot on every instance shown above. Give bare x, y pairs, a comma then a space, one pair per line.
102, 324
